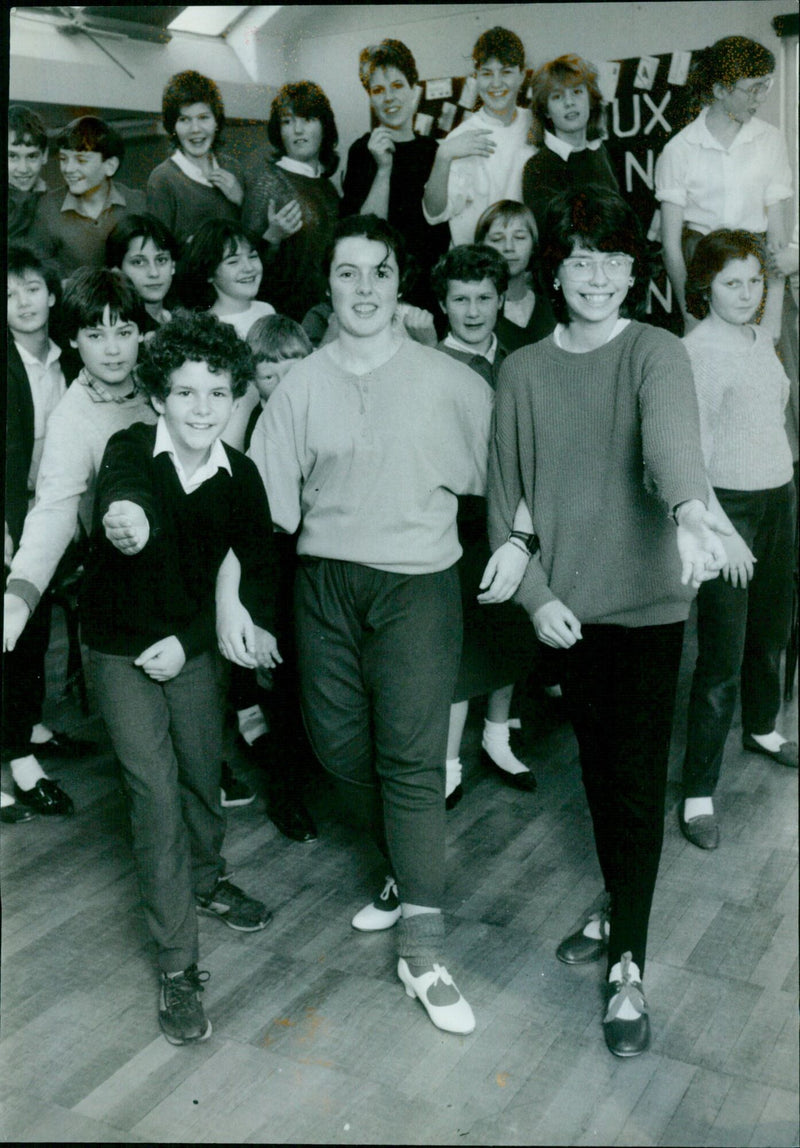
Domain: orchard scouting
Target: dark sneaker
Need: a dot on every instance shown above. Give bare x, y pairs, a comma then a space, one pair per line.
232, 790
234, 907
180, 1012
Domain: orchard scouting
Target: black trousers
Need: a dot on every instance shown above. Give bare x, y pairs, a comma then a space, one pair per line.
619, 689
24, 684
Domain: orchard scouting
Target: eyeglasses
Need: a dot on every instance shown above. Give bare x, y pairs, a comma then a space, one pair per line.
581, 268
759, 88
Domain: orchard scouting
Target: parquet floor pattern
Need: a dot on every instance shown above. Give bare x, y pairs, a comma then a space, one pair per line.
314, 1038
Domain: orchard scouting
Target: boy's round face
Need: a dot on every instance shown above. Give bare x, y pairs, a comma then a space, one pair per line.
29, 303
513, 239
196, 410
301, 138
391, 97
498, 86
736, 290
196, 128
149, 268
268, 375
568, 108
110, 349
85, 171
364, 284
239, 274
25, 163
471, 310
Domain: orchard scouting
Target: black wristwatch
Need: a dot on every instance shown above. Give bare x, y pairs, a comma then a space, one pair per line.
529, 541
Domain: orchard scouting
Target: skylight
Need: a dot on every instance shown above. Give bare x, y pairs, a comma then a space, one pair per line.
207, 19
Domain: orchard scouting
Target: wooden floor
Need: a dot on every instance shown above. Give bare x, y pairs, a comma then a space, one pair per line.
314, 1038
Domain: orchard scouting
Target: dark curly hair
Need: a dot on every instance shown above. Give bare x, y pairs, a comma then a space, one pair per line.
499, 44
712, 254
308, 101
565, 72
600, 220
202, 253
726, 62
469, 263
387, 54
184, 89
376, 229
196, 337
88, 292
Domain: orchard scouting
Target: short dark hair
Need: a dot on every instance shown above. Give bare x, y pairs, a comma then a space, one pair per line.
368, 227
88, 292
142, 227
727, 61
273, 338
308, 101
202, 253
505, 209
196, 337
22, 258
185, 88
565, 72
90, 133
499, 44
469, 263
26, 128
388, 54
713, 252
602, 221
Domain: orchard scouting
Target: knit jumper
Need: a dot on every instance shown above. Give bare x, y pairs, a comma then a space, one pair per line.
742, 395
546, 174
603, 446
182, 204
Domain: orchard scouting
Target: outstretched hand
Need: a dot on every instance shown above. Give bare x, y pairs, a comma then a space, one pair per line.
126, 526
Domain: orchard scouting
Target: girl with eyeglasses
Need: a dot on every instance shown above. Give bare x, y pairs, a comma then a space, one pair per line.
596, 427
727, 168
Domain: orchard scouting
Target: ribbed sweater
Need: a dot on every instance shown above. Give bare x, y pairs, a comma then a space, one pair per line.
182, 204
742, 395
603, 446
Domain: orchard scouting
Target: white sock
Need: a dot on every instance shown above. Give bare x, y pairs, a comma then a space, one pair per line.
6, 799
592, 929
627, 1010
553, 691
771, 741
40, 734
495, 742
252, 723
697, 807
26, 771
452, 775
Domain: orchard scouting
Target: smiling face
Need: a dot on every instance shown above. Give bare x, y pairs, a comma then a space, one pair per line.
498, 86
25, 163
743, 100
364, 285
238, 276
301, 138
391, 98
513, 239
568, 108
149, 268
109, 350
196, 128
196, 410
29, 303
471, 310
594, 283
85, 171
736, 290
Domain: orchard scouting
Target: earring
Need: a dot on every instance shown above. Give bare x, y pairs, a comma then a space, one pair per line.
556, 285
631, 281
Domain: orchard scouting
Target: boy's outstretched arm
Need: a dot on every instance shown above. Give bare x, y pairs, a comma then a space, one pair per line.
126, 526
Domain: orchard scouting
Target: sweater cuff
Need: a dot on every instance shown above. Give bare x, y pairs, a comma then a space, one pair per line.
533, 590
29, 594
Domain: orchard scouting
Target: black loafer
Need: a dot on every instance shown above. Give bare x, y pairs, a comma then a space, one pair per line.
62, 745
15, 814
578, 949
524, 781
701, 831
293, 820
46, 797
785, 755
452, 799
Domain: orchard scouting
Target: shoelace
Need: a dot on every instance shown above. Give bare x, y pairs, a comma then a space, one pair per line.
179, 991
388, 889
441, 974
626, 989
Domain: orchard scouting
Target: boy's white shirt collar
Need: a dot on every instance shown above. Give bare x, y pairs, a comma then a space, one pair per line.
456, 345
53, 354
191, 169
299, 167
217, 459
564, 149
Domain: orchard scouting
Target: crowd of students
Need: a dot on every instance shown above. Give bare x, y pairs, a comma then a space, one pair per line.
448, 399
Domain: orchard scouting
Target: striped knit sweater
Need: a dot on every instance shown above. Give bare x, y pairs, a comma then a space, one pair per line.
603, 445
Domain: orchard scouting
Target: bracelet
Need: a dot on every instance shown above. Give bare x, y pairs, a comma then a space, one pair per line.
529, 541
519, 545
